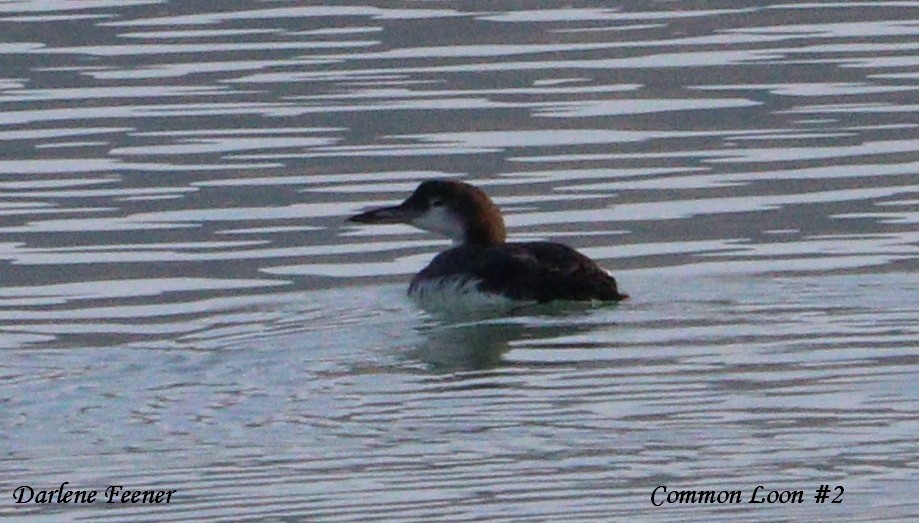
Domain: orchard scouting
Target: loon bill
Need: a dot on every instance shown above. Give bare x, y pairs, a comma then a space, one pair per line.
481, 261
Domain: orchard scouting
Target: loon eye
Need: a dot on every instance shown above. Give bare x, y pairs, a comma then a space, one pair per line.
437, 202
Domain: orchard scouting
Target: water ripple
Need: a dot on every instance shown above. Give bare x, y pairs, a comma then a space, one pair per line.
185, 307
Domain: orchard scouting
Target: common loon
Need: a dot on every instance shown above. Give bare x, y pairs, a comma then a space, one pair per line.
480, 260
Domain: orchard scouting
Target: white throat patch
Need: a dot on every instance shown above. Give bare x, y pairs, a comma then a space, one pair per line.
442, 221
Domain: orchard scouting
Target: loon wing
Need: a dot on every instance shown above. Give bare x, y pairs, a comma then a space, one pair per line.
538, 271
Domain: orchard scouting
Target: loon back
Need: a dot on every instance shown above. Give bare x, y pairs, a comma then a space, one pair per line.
537, 271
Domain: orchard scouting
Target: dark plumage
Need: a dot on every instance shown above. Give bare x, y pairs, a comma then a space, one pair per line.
537, 271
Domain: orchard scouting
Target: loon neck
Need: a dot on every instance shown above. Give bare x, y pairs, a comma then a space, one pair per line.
485, 232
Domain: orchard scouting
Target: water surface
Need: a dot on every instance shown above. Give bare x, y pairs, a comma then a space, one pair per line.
184, 307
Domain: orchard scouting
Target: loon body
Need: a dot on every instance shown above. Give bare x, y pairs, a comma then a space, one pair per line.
481, 261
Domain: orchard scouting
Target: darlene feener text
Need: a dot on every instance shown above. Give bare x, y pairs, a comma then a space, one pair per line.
111, 494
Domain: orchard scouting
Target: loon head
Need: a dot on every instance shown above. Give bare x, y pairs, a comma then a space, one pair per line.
457, 210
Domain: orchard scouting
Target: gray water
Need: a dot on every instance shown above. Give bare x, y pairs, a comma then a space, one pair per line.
184, 308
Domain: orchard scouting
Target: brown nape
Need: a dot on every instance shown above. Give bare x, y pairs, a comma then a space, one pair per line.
485, 226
